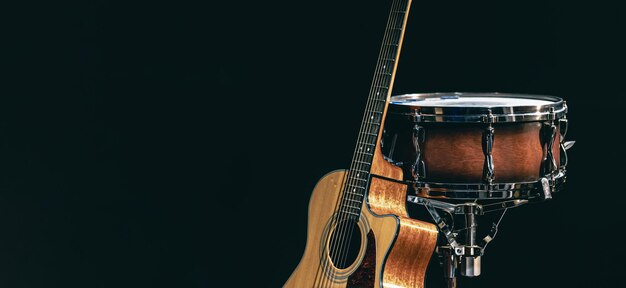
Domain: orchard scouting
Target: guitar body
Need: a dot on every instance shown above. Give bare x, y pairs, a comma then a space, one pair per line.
394, 251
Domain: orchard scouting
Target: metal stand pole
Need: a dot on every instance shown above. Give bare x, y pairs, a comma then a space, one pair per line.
449, 265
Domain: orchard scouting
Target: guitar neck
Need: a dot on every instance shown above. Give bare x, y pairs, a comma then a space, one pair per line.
382, 83
380, 92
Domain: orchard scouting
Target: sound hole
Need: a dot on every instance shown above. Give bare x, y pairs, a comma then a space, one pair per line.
345, 244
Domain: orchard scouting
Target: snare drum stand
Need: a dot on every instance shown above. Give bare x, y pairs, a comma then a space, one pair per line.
467, 254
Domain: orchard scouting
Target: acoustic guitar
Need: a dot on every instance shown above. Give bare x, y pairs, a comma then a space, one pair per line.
359, 231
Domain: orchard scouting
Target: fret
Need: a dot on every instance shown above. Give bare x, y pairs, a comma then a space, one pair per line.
351, 213
366, 163
398, 12
355, 194
351, 207
369, 154
366, 149
392, 45
389, 59
373, 129
377, 112
386, 74
357, 174
367, 133
358, 177
369, 138
353, 200
354, 186
365, 143
352, 217
383, 87
373, 123
396, 38
397, 28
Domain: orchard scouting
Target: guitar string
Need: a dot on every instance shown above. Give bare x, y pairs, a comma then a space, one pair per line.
374, 105
373, 102
351, 182
384, 79
321, 268
359, 156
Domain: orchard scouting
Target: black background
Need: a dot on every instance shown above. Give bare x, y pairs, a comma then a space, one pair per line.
154, 144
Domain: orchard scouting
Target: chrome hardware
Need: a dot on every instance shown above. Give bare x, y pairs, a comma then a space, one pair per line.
546, 187
503, 205
405, 104
548, 133
417, 116
465, 257
470, 266
445, 206
488, 169
551, 161
418, 168
493, 231
443, 226
489, 118
563, 127
564, 146
493, 191
468, 255
450, 263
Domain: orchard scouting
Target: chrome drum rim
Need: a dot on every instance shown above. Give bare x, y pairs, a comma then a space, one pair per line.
418, 109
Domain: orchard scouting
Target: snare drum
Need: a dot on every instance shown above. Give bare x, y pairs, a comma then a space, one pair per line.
478, 145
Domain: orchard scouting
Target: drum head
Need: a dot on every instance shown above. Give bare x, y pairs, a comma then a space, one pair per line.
477, 107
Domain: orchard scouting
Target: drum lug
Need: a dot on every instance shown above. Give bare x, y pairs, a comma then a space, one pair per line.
489, 118
550, 161
418, 168
563, 124
488, 168
416, 117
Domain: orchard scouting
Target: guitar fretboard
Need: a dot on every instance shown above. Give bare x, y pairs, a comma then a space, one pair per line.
358, 176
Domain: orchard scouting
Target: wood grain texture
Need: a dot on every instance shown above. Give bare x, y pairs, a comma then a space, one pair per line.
405, 267
382, 167
454, 154
387, 197
408, 260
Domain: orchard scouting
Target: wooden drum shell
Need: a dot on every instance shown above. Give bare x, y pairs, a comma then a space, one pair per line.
452, 152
